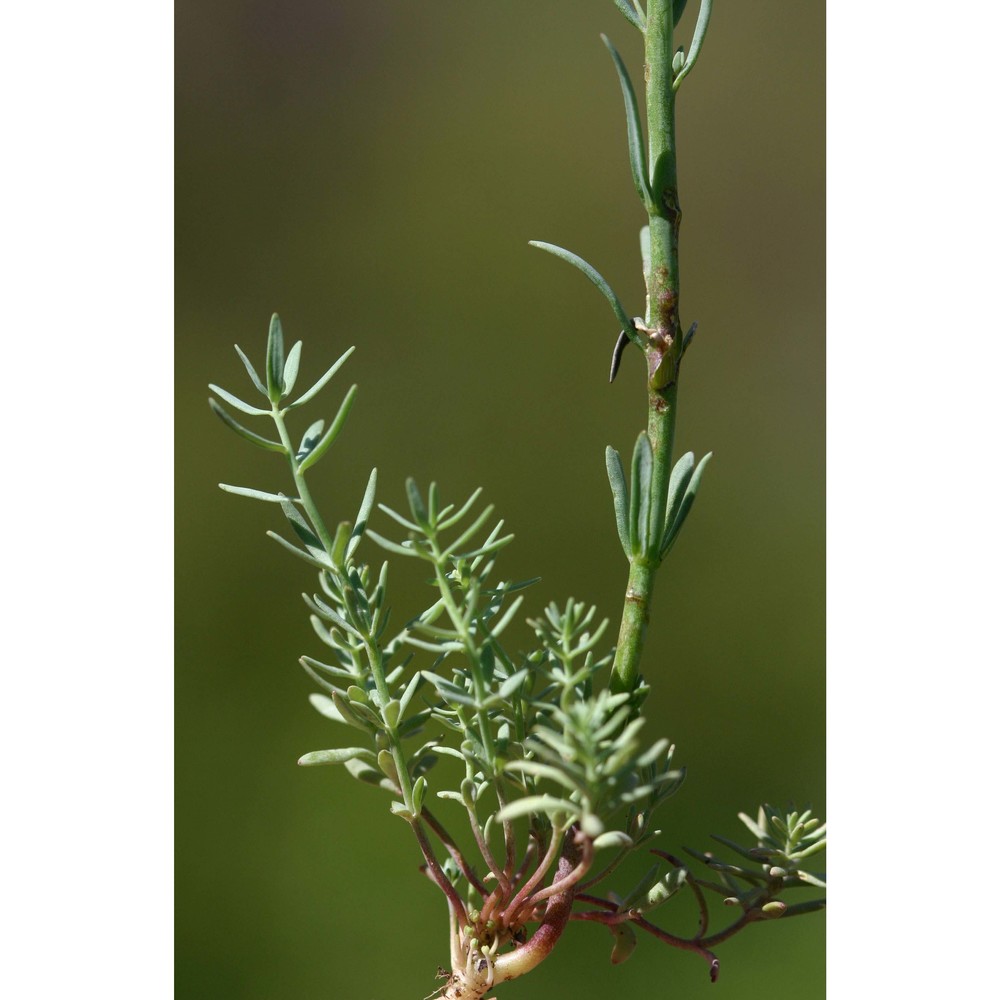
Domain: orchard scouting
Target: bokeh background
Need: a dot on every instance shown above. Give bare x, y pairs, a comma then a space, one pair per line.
374, 172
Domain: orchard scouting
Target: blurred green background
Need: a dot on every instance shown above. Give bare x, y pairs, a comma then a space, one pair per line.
374, 171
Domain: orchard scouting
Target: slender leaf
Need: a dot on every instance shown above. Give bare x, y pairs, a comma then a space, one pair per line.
463, 510
364, 512
400, 550
636, 142
641, 494
291, 370
473, 528
679, 6
301, 528
295, 550
261, 442
697, 40
251, 371
631, 14
232, 400
537, 804
416, 502
619, 493
275, 359
245, 491
332, 433
337, 756
685, 506
680, 476
606, 290
331, 371
486, 549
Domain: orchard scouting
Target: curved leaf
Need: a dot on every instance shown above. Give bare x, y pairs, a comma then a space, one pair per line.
251, 371
261, 442
633, 15
697, 40
254, 411
606, 290
636, 143
619, 493
331, 371
332, 433
337, 756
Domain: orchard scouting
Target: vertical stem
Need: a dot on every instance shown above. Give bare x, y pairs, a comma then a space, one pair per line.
663, 346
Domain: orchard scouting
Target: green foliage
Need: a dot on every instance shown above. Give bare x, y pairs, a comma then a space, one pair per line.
538, 751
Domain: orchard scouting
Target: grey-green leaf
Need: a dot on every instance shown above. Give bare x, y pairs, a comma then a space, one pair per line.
416, 502
680, 476
334, 430
636, 143
537, 804
619, 493
631, 14
291, 369
261, 442
364, 512
697, 40
331, 371
245, 491
275, 359
302, 529
337, 756
679, 6
254, 411
296, 551
641, 495
685, 506
624, 321
251, 371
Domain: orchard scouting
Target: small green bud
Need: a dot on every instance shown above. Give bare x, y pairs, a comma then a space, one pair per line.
776, 872
678, 63
773, 909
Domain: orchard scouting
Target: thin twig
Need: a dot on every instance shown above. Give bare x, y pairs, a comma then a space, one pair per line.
454, 900
484, 850
456, 854
539, 874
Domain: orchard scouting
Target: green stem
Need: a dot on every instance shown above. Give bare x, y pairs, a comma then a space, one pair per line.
300, 482
663, 339
372, 650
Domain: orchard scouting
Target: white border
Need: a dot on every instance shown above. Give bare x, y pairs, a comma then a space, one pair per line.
86, 723
912, 433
